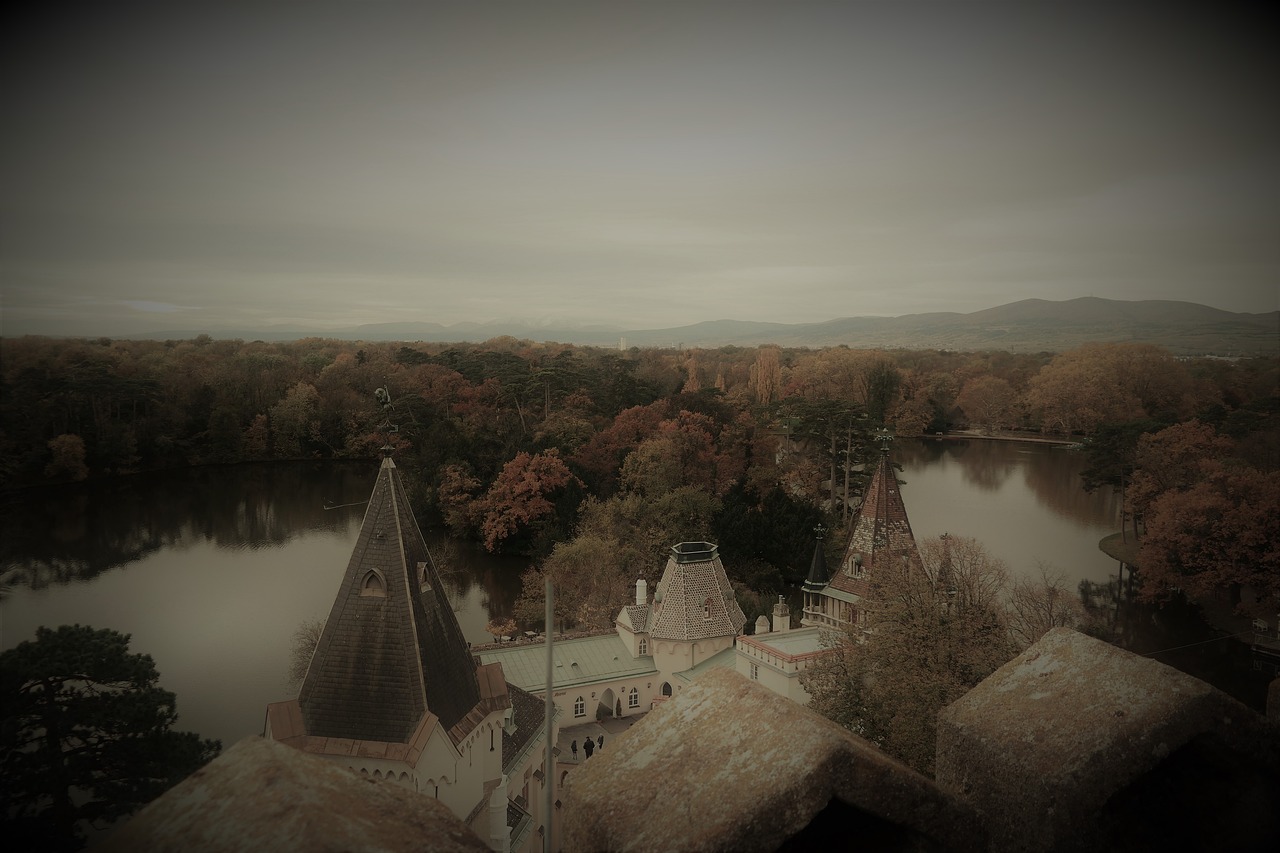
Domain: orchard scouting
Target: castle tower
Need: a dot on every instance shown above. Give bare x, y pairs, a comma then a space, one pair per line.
393, 690
391, 649
815, 582
881, 532
694, 613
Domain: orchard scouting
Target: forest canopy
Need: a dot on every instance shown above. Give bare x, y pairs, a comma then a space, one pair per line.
525, 445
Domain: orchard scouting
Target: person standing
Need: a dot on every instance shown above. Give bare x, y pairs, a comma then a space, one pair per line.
600, 742
588, 746
573, 747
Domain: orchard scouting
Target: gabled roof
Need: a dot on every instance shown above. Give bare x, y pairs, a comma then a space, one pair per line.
391, 650
694, 600
635, 617
880, 531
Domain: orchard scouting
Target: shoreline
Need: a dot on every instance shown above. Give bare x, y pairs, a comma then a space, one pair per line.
1003, 436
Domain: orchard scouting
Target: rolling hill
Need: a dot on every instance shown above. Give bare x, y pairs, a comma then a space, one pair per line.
1030, 325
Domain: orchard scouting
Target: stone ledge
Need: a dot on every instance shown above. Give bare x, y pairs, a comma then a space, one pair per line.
1047, 746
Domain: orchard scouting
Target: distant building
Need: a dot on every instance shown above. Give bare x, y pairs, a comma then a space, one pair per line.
394, 692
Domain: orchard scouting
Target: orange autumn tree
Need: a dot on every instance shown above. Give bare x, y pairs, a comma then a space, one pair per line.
1220, 533
523, 497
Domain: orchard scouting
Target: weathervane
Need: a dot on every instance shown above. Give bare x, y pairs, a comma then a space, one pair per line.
384, 400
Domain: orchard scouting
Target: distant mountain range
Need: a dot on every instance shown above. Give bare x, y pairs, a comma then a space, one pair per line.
1031, 325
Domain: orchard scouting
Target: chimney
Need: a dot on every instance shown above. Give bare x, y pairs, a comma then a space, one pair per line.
762, 625
781, 616
642, 592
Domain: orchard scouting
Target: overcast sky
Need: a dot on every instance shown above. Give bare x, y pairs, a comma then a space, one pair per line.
644, 164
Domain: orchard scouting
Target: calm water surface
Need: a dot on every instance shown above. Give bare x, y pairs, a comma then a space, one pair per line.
1022, 500
212, 570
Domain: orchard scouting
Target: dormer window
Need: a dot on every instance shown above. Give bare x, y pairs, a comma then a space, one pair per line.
424, 579
644, 646
706, 609
373, 584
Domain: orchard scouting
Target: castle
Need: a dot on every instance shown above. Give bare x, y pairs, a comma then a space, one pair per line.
394, 691
1073, 745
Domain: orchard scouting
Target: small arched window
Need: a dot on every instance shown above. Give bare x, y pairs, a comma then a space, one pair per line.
644, 646
706, 609
633, 698
424, 579
373, 584
579, 707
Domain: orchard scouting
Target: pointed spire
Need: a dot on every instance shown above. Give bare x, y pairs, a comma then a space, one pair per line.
881, 529
818, 574
391, 650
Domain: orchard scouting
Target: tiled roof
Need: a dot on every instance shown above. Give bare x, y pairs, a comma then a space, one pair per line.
384, 660
693, 579
635, 617
528, 712
880, 531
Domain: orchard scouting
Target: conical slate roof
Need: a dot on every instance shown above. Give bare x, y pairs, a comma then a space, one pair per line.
391, 649
818, 574
694, 600
880, 531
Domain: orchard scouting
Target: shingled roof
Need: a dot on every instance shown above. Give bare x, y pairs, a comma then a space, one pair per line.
694, 600
635, 617
818, 574
391, 650
881, 530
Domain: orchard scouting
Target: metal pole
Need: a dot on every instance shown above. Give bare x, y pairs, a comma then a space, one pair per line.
549, 788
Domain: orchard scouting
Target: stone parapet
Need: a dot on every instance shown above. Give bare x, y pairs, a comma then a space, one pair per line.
1078, 745
260, 795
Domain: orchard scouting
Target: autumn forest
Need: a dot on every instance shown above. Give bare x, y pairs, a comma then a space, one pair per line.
592, 461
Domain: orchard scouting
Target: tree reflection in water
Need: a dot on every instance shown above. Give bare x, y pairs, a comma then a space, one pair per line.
76, 532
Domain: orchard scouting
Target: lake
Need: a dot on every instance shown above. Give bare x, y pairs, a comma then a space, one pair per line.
1022, 500
211, 570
